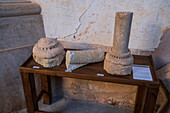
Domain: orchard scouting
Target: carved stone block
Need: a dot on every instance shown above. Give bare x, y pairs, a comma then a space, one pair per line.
119, 59
76, 59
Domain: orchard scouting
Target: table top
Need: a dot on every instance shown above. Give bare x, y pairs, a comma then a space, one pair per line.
90, 71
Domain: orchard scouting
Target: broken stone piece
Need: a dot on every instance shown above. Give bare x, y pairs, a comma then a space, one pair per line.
119, 60
48, 48
48, 52
74, 66
76, 59
50, 62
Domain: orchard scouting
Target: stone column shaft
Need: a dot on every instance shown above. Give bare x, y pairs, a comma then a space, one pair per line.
122, 28
119, 60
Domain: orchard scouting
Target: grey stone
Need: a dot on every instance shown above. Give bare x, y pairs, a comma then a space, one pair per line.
161, 55
20, 9
47, 48
75, 59
48, 52
119, 59
50, 62
15, 32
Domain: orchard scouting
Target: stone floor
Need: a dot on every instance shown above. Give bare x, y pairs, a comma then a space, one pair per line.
76, 106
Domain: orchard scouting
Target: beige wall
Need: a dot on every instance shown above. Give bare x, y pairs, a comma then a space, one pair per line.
92, 21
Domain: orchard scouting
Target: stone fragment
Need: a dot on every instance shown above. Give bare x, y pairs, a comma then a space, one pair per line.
76, 59
119, 59
74, 66
50, 62
48, 52
48, 48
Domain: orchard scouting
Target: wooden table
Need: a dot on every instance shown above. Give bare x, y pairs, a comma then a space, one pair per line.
146, 92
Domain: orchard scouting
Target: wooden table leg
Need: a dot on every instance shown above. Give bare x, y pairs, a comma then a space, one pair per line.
30, 92
46, 86
145, 100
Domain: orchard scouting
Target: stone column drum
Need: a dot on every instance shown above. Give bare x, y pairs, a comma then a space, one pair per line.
119, 60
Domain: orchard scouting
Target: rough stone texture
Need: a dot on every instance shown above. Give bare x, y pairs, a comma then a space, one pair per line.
50, 62
119, 59
14, 9
12, 30
117, 69
15, 32
122, 29
74, 66
75, 59
106, 93
161, 55
84, 56
48, 52
164, 76
14, 1
12, 95
47, 48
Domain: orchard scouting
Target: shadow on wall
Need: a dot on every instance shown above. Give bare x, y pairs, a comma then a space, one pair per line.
161, 55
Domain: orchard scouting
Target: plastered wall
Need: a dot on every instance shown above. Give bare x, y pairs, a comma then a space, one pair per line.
92, 21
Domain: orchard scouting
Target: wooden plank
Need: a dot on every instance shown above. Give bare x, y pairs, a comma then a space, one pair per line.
90, 71
94, 77
150, 100
46, 86
145, 100
30, 92
40, 95
140, 99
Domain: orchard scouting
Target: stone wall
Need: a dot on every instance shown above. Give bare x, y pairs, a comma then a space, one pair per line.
21, 26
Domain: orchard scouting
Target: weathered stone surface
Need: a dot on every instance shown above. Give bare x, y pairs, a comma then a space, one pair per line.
119, 59
48, 52
12, 30
76, 59
15, 32
100, 92
117, 69
15, 9
164, 76
48, 48
84, 56
161, 55
50, 62
87, 46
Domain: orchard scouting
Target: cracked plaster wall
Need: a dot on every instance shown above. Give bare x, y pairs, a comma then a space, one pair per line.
92, 21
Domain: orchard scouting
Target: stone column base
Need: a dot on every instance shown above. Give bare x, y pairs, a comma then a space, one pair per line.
118, 63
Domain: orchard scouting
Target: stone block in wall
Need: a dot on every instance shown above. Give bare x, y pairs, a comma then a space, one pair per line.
100, 92
22, 26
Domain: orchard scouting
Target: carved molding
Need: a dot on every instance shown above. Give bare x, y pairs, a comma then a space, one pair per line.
18, 8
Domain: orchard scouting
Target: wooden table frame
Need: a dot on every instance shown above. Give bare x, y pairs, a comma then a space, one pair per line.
146, 93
